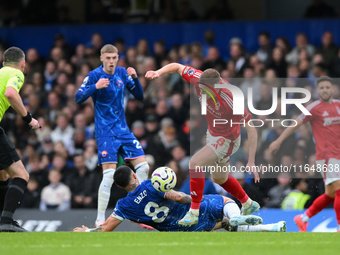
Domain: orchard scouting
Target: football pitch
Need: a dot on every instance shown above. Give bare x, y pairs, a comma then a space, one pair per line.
64, 243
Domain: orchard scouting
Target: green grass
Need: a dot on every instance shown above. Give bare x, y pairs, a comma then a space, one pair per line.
63, 243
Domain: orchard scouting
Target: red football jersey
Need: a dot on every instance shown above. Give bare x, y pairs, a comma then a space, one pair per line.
325, 123
230, 130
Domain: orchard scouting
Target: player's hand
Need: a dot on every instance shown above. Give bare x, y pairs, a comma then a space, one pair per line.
150, 75
251, 168
82, 229
34, 124
274, 147
102, 83
132, 72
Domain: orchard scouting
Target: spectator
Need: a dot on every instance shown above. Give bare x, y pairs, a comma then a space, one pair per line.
297, 199
301, 41
264, 52
55, 196
83, 185
64, 133
328, 49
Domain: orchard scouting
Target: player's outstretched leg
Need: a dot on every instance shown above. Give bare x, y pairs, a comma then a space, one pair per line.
104, 195
317, 206
253, 207
233, 187
196, 191
275, 227
232, 211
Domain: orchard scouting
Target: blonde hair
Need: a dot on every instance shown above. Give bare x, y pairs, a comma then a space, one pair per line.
108, 48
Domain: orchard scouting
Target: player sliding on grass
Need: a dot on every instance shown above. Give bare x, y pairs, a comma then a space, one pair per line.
325, 123
144, 204
222, 140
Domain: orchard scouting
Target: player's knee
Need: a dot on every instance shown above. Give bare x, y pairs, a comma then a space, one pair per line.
108, 174
219, 180
142, 171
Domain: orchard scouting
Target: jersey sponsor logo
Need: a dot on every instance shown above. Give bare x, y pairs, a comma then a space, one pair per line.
331, 121
15, 85
104, 154
120, 83
85, 80
191, 72
186, 70
325, 114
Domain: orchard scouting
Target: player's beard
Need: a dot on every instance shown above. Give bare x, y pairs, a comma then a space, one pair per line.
326, 99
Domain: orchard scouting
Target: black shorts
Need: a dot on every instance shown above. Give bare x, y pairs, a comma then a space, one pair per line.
8, 153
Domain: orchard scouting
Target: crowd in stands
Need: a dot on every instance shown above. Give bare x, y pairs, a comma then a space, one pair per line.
61, 157
41, 12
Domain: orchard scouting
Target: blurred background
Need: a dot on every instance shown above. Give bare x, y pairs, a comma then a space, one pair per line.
248, 41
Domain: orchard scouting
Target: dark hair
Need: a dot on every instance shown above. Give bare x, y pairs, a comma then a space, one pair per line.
324, 78
264, 33
13, 55
122, 176
295, 182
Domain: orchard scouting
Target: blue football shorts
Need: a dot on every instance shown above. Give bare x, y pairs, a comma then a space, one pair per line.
108, 148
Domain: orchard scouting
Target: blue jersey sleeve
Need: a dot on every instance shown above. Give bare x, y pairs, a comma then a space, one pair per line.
134, 86
87, 89
117, 213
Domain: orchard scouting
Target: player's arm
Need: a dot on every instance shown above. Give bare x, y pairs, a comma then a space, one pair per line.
275, 146
108, 226
178, 197
136, 88
15, 100
89, 87
167, 69
252, 140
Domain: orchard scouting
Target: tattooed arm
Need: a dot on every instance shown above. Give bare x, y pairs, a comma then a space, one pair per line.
109, 225
178, 197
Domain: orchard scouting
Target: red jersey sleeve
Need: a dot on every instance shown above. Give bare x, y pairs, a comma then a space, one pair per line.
311, 108
191, 75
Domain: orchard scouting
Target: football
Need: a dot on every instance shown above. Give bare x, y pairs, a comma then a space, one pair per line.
163, 179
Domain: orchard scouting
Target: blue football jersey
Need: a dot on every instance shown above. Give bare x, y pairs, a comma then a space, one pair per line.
147, 205
108, 102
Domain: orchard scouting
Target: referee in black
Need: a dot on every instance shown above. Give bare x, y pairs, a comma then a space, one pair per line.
11, 81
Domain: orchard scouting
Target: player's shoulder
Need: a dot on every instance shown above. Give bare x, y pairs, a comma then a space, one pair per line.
12, 71
336, 101
313, 106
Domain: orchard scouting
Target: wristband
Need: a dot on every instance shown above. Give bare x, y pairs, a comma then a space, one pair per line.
27, 118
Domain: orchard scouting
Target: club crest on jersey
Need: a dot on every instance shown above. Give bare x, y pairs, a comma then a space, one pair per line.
120, 83
191, 72
104, 154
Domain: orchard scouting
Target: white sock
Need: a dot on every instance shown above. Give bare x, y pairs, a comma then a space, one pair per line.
257, 228
104, 193
142, 171
247, 203
304, 217
231, 209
